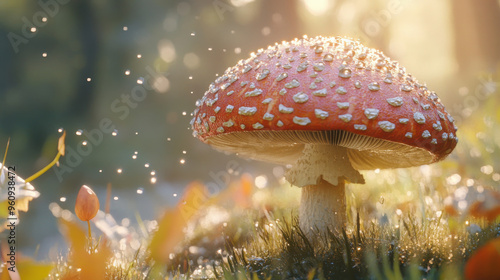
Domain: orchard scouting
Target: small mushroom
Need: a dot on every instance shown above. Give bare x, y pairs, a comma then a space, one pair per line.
360, 114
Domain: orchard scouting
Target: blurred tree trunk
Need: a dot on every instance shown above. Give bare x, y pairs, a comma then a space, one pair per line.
477, 41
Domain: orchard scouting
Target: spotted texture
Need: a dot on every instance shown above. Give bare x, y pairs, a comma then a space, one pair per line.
347, 77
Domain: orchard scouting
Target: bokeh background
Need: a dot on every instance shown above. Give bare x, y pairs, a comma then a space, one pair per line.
71, 64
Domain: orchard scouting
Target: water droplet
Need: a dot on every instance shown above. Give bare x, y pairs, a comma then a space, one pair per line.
328, 57
114, 133
140, 191
79, 132
115, 198
318, 49
319, 67
44, 54
119, 170
127, 72
374, 86
357, 84
62, 199
345, 73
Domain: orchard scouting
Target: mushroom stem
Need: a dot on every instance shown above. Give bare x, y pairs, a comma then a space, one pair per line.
321, 172
322, 207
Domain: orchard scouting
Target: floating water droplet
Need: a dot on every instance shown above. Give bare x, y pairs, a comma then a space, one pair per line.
62, 199
182, 161
115, 198
60, 130
140, 191
357, 84
114, 133
84, 142
127, 72
146, 165
119, 170
44, 54
318, 49
345, 73
79, 132
139, 55
193, 33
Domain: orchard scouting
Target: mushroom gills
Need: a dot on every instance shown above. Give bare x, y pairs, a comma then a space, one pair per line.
323, 162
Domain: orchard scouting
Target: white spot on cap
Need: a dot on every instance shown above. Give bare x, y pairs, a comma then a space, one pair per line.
320, 114
426, 134
332, 84
395, 101
371, 113
293, 84
345, 117
279, 123
281, 76
320, 92
406, 88
425, 106
247, 111
450, 118
229, 108
268, 117
242, 126
255, 92
257, 126
386, 126
437, 126
404, 120
285, 110
434, 141
229, 123
445, 136
300, 97
217, 109
409, 135
220, 129
419, 117
302, 67
341, 90
212, 119
301, 121
230, 92
247, 68
313, 85
262, 75
374, 86
343, 105
267, 101
360, 127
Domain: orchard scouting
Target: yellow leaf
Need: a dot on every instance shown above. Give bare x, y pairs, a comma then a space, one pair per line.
61, 147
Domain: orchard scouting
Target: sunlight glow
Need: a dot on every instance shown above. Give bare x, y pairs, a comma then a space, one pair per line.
317, 7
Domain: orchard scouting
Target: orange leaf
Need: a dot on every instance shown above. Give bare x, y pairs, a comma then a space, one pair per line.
483, 264
174, 220
92, 264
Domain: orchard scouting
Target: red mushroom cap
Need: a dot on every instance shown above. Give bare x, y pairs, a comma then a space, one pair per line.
325, 90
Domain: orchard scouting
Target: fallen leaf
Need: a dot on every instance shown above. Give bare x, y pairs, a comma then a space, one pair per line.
483, 264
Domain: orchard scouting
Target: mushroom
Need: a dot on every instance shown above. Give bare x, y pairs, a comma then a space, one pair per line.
329, 107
